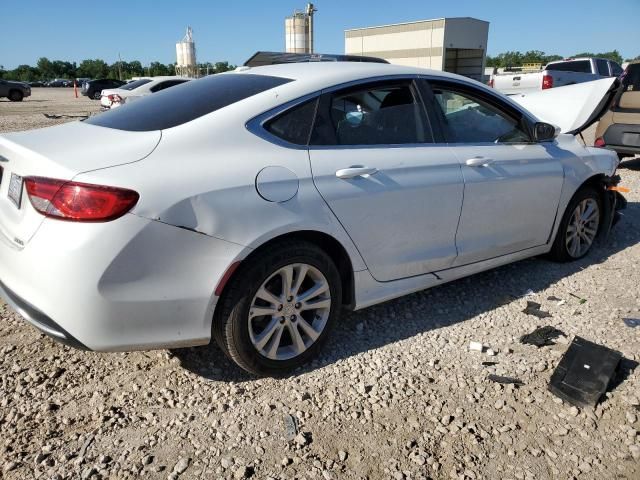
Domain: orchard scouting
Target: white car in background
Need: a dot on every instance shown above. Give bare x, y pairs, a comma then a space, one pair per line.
253, 206
115, 97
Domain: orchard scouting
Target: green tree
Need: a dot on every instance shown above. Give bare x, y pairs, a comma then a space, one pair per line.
95, 68
23, 73
613, 55
220, 67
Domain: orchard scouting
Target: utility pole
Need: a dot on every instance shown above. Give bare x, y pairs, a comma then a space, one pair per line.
119, 67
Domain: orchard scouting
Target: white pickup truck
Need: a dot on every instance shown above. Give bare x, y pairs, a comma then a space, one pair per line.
556, 74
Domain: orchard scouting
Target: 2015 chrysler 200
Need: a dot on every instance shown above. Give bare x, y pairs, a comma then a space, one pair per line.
252, 206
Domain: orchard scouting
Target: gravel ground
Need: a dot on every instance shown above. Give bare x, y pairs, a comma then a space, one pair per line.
397, 393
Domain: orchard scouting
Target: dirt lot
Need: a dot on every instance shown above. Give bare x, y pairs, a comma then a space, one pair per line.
397, 394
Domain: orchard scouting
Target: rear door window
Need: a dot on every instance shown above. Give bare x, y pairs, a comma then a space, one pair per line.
384, 113
183, 103
603, 67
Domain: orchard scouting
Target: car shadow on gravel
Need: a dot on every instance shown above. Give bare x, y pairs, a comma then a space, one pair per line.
438, 307
632, 164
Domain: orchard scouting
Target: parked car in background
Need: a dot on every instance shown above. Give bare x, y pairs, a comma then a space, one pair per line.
14, 91
59, 82
112, 98
81, 81
619, 128
251, 207
555, 74
37, 83
93, 88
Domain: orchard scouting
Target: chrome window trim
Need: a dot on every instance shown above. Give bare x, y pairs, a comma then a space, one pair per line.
256, 125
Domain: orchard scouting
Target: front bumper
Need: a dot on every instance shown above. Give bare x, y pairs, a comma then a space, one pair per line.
129, 284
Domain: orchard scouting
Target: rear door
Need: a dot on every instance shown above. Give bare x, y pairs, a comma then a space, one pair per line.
512, 185
397, 194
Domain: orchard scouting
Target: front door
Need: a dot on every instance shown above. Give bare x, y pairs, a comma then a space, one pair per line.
396, 193
512, 184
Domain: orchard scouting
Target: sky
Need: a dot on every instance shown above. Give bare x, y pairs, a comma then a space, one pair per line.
147, 30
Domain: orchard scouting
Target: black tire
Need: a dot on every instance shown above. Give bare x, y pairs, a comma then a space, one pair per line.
230, 326
16, 95
560, 252
96, 95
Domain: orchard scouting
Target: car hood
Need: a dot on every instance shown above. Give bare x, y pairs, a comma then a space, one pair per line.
573, 108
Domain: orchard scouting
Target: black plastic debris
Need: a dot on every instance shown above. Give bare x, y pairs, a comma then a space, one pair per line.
533, 308
291, 427
580, 299
584, 372
631, 322
505, 380
489, 364
542, 336
553, 298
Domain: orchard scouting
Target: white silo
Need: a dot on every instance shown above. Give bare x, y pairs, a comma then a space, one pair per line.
186, 65
298, 31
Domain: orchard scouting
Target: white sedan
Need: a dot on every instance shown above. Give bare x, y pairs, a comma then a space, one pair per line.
252, 206
116, 97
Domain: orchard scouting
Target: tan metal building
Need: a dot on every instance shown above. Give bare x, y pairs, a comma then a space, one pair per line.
456, 45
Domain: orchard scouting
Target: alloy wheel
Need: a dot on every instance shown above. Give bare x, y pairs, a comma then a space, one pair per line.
583, 227
289, 311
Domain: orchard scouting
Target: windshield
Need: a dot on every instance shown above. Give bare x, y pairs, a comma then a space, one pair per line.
183, 103
135, 84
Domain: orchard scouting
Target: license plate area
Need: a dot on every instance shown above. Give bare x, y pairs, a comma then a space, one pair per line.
15, 189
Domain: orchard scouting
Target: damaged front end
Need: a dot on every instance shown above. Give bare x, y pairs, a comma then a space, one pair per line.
612, 202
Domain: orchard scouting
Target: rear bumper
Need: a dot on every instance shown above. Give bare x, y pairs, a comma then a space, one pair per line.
38, 319
623, 138
130, 284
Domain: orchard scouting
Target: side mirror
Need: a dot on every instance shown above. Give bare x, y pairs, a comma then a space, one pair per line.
545, 132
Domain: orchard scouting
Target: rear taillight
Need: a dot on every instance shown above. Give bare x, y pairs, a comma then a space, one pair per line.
599, 142
547, 82
79, 202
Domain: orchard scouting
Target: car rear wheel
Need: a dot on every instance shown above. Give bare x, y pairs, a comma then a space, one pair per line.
96, 95
579, 226
278, 310
16, 96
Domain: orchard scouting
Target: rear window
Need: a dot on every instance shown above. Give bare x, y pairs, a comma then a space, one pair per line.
183, 103
583, 66
136, 84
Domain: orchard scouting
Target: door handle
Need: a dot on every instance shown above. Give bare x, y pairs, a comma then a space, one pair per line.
479, 162
355, 171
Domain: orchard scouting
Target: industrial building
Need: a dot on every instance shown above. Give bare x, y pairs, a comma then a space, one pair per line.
456, 45
298, 31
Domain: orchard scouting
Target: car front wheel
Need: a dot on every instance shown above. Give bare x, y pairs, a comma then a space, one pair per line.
579, 226
278, 309
96, 95
16, 96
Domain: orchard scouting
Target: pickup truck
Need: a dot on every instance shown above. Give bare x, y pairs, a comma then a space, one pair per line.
556, 74
14, 91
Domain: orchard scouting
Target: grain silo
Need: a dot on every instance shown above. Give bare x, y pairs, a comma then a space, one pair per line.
186, 65
298, 31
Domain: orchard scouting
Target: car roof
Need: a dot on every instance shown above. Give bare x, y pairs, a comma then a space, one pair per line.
325, 74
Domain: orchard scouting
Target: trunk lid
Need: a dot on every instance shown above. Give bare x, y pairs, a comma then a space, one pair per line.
573, 108
60, 152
